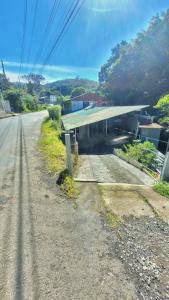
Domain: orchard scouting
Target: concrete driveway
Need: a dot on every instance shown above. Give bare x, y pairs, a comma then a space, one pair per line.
109, 168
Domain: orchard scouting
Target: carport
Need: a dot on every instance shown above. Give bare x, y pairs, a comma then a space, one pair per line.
99, 125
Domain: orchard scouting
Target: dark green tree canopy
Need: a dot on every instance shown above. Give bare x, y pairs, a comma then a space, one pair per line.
138, 72
78, 91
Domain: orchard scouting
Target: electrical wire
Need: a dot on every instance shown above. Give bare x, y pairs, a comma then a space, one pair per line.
33, 28
23, 39
51, 18
70, 16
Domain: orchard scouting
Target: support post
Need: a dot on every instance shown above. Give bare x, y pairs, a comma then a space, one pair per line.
106, 127
165, 170
167, 148
88, 131
69, 154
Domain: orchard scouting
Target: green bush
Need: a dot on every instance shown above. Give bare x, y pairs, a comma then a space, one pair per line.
162, 188
55, 112
145, 153
164, 121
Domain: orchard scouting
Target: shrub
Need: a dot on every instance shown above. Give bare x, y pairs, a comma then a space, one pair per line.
55, 112
145, 153
162, 188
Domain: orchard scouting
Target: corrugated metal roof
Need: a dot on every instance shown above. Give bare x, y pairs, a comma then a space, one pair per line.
96, 114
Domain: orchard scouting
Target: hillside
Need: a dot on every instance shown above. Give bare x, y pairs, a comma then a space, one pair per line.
67, 85
138, 72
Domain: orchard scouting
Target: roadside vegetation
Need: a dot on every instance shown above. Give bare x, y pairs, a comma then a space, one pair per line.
162, 188
54, 151
144, 153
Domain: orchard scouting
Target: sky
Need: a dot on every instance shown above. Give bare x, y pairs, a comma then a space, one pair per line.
86, 44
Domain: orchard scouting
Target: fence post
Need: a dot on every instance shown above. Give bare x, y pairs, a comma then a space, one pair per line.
69, 153
165, 170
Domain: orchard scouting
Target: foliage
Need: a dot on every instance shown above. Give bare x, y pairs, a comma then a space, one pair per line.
68, 187
33, 82
52, 146
78, 91
20, 100
145, 153
137, 72
162, 188
14, 96
163, 104
164, 121
55, 112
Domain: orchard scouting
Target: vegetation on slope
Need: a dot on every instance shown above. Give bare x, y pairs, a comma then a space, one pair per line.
54, 151
145, 153
137, 72
52, 146
66, 86
162, 188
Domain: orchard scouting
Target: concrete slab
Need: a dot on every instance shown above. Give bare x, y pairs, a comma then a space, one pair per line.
125, 200
136, 200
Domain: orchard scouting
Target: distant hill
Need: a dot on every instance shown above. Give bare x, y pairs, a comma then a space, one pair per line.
67, 85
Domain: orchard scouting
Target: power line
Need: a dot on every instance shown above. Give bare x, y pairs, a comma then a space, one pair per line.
23, 38
72, 13
33, 28
51, 18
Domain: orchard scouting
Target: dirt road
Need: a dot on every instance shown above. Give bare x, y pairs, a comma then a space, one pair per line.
49, 249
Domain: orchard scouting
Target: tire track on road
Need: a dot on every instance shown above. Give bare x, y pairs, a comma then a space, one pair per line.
25, 231
4, 134
8, 209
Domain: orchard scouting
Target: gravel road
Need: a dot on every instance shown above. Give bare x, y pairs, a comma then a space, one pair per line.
49, 249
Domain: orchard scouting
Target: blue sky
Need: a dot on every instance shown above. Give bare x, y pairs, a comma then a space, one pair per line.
99, 25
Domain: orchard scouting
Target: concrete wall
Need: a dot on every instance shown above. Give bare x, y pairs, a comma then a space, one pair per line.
152, 134
77, 105
5, 106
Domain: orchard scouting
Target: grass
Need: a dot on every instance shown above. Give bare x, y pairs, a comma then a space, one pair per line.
68, 186
112, 219
54, 151
162, 188
52, 147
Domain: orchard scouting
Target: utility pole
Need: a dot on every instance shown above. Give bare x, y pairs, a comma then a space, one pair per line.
3, 68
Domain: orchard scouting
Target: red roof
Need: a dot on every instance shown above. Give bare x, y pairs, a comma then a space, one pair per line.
91, 97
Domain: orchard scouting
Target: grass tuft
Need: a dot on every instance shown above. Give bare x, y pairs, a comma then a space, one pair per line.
162, 188
112, 219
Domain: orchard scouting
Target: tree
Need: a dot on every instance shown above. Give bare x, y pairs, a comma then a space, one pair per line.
33, 82
163, 104
138, 72
4, 82
13, 95
78, 91
20, 100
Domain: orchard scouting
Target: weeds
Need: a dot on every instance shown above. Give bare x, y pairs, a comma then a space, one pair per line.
112, 219
162, 188
52, 146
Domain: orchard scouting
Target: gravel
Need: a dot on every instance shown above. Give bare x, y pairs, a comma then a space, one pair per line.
142, 245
